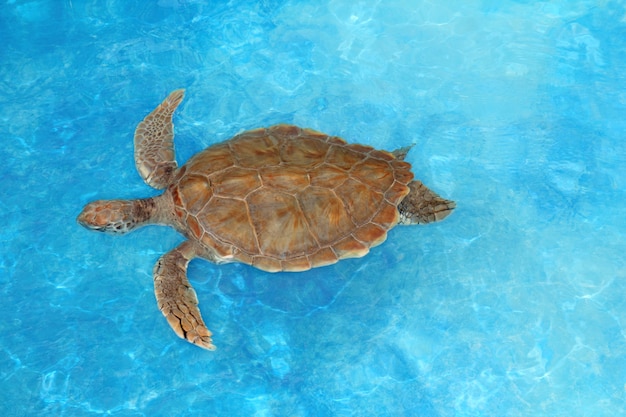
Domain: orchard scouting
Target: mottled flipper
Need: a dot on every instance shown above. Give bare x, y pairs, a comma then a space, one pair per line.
154, 143
176, 298
401, 152
422, 205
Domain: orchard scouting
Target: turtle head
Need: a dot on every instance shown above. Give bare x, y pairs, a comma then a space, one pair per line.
117, 216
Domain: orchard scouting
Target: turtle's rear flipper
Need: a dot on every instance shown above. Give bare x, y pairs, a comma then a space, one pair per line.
422, 205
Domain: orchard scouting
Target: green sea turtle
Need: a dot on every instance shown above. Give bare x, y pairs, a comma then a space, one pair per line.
280, 199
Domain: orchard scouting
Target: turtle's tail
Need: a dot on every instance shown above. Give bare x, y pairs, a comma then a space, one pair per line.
117, 216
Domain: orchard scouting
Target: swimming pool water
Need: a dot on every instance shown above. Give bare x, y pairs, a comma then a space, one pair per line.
513, 306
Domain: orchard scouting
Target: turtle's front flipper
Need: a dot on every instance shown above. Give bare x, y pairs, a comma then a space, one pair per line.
176, 298
154, 143
422, 205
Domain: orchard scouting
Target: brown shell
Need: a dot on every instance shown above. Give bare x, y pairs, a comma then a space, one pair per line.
289, 199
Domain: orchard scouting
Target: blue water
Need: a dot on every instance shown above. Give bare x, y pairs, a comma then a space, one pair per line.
513, 306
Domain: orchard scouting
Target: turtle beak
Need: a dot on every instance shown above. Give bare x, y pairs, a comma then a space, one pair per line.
89, 219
